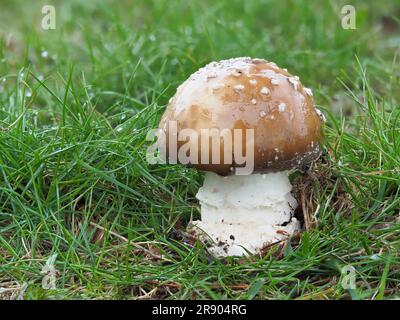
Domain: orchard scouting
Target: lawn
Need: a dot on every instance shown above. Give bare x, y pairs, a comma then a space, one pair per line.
79, 203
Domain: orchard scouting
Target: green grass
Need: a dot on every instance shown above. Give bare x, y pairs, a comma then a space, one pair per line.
74, 180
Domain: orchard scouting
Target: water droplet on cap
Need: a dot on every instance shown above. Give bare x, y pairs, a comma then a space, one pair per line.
235, 73
274, 81
238, 87
308, 91
264, 90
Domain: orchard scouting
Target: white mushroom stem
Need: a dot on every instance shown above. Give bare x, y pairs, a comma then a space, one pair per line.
242, 214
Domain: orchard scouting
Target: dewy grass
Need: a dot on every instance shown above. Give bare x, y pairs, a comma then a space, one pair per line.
75, 185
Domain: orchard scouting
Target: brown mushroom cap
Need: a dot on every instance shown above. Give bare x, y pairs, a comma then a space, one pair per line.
246, 93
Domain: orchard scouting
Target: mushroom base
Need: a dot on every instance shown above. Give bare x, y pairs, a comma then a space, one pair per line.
241, 215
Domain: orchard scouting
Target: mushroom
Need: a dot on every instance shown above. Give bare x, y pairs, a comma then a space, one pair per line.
263, 124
